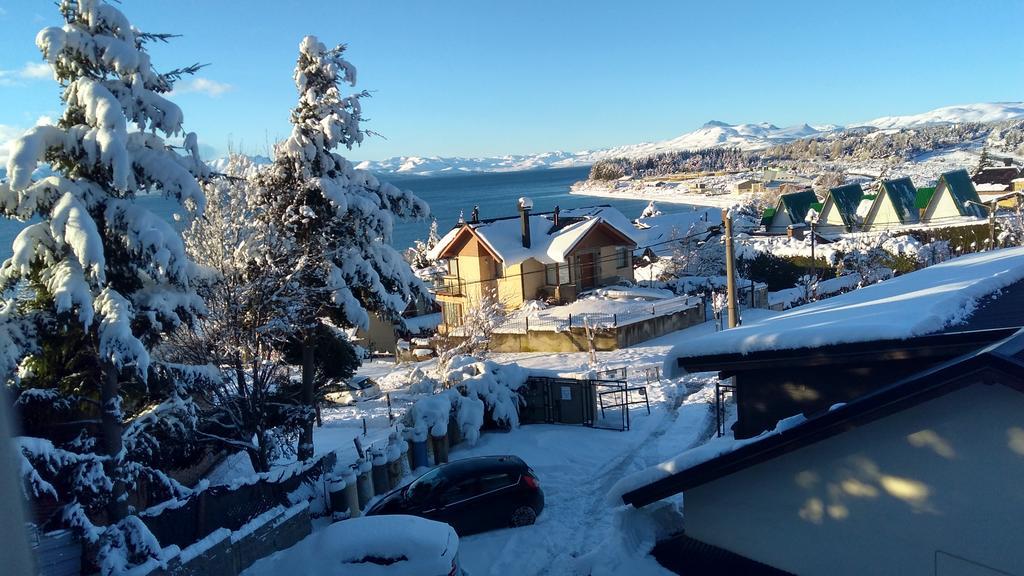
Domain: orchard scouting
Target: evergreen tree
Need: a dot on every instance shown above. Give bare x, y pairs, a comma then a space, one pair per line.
107, 278
337, 221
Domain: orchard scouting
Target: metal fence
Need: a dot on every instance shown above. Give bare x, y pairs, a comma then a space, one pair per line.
598, 320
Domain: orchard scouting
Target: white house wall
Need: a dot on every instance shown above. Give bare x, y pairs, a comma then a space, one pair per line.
914, 493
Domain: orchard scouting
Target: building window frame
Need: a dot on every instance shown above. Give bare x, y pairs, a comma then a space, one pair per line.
623, 257
557, 274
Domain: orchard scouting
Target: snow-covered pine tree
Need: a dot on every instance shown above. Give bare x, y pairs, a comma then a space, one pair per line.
108, 278
418, 254
338, 220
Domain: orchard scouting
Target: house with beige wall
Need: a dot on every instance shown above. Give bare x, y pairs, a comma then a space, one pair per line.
954, 199
545, 256
894, 205
918, 478
839, 211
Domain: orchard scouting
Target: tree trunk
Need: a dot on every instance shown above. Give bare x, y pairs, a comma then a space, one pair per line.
240, 377
111, 424
306, 437
258, 456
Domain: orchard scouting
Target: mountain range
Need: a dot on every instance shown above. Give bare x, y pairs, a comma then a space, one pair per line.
710, 135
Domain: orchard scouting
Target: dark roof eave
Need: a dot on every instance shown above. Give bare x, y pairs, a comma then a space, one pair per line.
931, 383
941, 344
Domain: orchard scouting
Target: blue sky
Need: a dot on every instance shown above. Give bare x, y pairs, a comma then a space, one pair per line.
488, 78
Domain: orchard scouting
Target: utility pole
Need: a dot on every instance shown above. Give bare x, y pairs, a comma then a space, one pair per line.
730, 270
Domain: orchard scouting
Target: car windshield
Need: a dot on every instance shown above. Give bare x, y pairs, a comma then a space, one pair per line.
360, 383
424, 485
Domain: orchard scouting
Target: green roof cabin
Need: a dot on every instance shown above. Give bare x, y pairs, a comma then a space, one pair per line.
893, 206
952, 199
839, 211
791, 209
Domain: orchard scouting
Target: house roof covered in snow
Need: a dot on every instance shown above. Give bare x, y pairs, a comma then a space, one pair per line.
922, 302
708, 463
903, 195
846, 199
1003, 175
549, 243
796, 204
961, 189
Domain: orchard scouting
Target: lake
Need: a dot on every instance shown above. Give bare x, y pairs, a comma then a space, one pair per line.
495, 193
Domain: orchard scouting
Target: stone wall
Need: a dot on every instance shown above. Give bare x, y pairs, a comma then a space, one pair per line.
229, 553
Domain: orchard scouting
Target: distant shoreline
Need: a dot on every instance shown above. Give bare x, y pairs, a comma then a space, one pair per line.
670, 195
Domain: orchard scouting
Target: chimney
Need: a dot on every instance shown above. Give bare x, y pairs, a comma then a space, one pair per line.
555, 222
474, 216
525, 205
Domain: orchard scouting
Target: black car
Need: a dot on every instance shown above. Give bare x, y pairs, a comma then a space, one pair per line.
472, 495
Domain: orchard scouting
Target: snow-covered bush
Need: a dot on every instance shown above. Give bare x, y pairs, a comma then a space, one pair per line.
477, 387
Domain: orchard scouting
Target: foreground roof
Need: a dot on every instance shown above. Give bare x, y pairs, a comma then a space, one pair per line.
707, 463
918, 303
548, 244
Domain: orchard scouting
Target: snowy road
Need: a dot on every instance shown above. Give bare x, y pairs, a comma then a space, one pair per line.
577, 466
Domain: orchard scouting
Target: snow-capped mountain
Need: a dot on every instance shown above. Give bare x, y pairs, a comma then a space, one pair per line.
434, 165
983, 112
221, 164
710, 135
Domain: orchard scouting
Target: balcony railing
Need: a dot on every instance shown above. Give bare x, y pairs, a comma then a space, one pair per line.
449, 286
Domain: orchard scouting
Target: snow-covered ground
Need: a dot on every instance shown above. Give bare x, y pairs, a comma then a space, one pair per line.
576, 465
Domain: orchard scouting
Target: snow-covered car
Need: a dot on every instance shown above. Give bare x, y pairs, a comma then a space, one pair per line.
356, 389
370, 545
472, 495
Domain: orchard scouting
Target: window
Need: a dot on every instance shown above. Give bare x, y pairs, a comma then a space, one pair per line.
623, 255
460, 491
499, 271
493, 482
556, 274
452, 313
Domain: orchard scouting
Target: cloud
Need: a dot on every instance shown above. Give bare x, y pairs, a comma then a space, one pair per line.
29, 72
201, 86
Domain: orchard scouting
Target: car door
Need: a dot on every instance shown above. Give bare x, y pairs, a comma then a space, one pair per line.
498, 497
455, 505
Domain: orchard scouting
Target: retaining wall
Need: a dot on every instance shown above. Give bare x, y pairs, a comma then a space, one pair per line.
606, 339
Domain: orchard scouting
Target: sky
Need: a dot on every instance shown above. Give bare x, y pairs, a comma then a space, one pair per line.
487, 78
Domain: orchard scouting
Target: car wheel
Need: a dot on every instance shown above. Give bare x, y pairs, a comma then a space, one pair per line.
523, 516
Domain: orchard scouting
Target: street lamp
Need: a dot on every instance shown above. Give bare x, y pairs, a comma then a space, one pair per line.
991, 220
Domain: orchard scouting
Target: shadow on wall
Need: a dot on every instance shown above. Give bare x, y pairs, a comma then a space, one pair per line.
860, 478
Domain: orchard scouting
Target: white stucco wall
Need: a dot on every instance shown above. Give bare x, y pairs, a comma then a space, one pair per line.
919, 492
